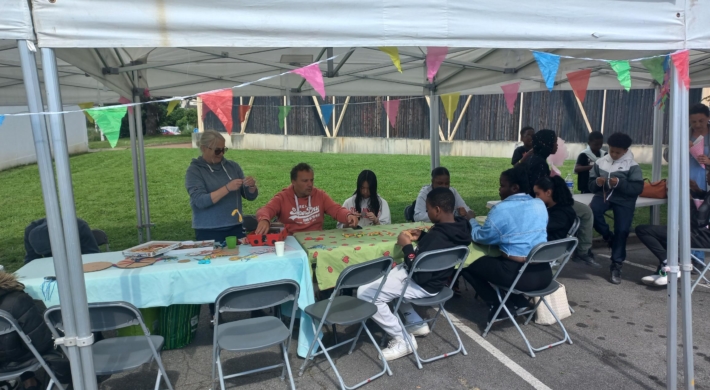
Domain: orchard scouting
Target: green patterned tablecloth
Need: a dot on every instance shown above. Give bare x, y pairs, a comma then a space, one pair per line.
333, 250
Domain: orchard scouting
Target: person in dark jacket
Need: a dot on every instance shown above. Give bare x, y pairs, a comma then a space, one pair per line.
448, 231
37, 243
554, 193
616, 181
544, 144
522, 153
13, 351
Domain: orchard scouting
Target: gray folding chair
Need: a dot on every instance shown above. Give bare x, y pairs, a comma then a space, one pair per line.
433, 261
117, 354
254, 334
700, 270
346, 310
575, 226
8, 324
547, 252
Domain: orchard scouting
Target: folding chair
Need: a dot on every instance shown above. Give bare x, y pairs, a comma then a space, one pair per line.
547, 252
433, 261
575, 226
254, 334
8, 324
346, 310
117, 354
700, 271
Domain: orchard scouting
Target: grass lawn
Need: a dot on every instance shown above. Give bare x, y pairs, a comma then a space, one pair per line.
103, 189
151, 140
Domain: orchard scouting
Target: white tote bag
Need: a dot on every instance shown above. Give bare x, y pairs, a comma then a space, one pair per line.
558, 303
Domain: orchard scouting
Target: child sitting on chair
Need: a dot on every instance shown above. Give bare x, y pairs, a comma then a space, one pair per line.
448, 231
616, 181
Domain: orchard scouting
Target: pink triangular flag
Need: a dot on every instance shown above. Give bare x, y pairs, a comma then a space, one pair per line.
220, 103
391, 108
123, 100
314, 76
680, 61
435, 56
579, 81
510, 92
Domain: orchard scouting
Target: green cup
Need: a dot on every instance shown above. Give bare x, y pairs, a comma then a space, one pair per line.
231, 242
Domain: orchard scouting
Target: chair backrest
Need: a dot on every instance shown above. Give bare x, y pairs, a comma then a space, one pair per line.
249, 223
100, 237
102, 316
440, 259
361, 274
8, 324
548, 252
575, 226
257, 296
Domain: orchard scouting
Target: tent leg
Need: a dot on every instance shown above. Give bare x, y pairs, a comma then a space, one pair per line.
434, 129
673, 223
141, 151
136, 175
657, 165
68, 212
680, 95
51, 202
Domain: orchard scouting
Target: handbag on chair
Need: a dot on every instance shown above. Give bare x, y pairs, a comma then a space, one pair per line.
657, 190
558, 302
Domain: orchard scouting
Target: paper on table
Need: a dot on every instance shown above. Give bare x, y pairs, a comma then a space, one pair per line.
698, 149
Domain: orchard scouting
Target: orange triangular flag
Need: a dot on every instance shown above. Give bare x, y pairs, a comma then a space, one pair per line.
579, 81
243, 110
220, 103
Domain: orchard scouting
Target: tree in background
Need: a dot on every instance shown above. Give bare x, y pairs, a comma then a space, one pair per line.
154, 117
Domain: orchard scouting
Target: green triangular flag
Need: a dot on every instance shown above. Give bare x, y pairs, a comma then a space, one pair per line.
623, 73
283, 113
655, 67
109, 121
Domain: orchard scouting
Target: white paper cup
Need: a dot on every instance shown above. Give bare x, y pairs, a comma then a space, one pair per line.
279, 245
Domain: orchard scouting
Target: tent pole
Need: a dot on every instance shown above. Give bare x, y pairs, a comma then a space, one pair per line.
434, 128
51, 203
672, 231
141, 151
658, 115
136, 175
85, 338
684, 229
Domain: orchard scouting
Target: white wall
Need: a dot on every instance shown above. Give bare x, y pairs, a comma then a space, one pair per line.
16, 142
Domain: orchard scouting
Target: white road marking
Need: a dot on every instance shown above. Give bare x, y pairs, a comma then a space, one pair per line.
513, 366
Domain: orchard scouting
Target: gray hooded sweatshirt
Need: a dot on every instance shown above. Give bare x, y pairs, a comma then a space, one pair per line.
203, 178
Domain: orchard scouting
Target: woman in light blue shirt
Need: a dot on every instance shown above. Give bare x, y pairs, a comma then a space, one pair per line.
516, 225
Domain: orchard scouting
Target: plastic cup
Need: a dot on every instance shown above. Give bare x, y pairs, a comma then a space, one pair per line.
231, 242
279, 245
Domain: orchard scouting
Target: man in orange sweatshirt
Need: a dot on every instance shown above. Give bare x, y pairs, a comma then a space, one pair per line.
301, 207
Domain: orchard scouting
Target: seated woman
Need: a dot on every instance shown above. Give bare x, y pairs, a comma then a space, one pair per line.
554, 193
366, 203
516, 225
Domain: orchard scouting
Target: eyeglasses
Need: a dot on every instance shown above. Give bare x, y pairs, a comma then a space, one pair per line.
218, 151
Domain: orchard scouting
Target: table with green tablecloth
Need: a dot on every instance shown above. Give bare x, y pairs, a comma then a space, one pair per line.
331, 251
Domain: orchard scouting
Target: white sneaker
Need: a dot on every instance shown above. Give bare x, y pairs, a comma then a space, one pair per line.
650, 280
418, 330
662, 279
398, 348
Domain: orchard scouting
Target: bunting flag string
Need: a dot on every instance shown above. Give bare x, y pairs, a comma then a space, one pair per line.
579, 81
171, 106
393, 52
451, 102
681, 63
283, 113
391, 108
548, 64
326, 112
510, 92
123, 100
109, 122
623, 72
314, 76
220, 103
243, 110
84, 107
435, 56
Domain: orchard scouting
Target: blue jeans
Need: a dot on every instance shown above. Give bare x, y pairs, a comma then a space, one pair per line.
623, 217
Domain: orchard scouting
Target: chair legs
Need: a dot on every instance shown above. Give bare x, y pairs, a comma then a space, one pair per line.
287, 366
701, 272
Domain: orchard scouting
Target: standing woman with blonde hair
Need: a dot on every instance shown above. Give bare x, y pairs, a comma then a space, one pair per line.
216, 187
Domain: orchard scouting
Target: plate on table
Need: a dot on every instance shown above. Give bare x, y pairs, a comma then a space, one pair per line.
151, 249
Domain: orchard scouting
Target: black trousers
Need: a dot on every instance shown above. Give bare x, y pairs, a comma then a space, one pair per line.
502, 271
623, 217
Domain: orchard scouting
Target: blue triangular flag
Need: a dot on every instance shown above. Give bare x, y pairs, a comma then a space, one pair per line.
2, 119
548, 64
326, 111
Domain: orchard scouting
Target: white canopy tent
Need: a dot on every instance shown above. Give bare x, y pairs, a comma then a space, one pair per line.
183, 47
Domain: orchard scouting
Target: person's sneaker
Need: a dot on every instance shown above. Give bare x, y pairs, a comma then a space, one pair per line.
662, 280
615, 276
398, 348
418, 330
650, 280
584, 258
